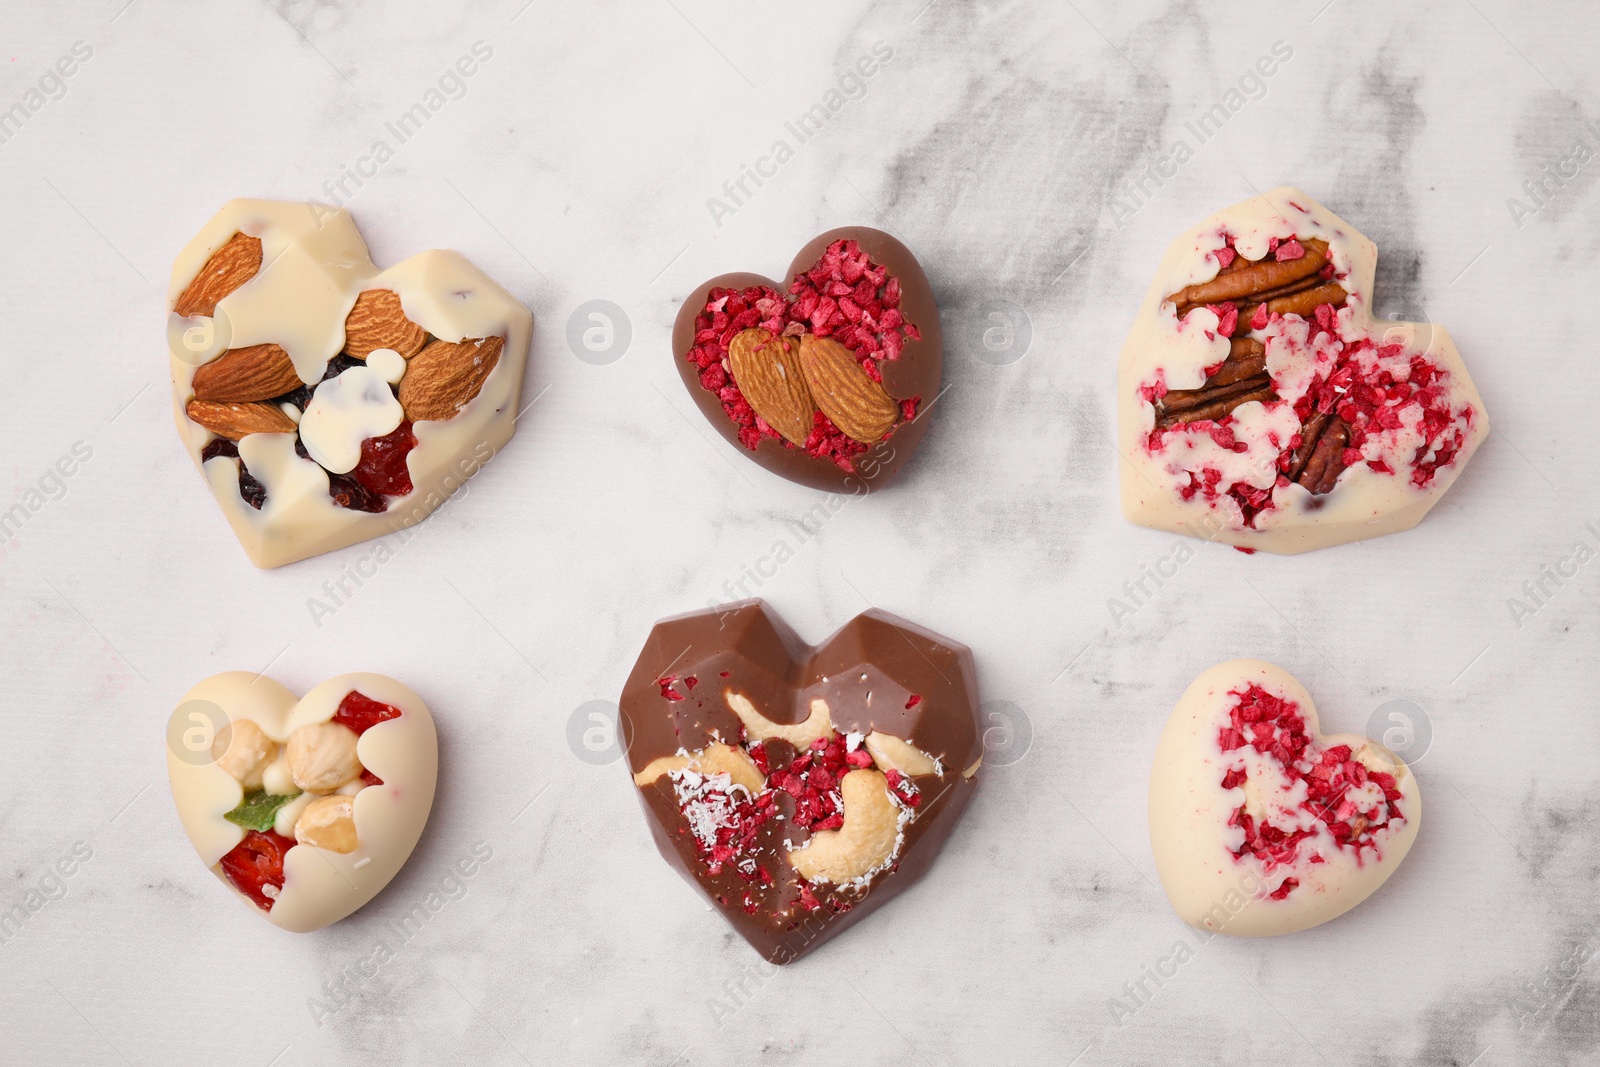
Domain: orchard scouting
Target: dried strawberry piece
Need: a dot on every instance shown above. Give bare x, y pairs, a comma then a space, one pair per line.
1290, 249
666, 687
256, 863
369, 778
361, 713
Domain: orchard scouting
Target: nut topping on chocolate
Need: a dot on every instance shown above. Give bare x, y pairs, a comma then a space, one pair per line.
799, 787
302, 369
825, 380
1262, 406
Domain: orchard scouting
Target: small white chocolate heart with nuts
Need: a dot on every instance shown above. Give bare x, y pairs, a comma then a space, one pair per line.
305, 807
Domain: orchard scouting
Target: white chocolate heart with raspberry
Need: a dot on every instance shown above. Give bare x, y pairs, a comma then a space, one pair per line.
1261, 404
1260, 824
306, 807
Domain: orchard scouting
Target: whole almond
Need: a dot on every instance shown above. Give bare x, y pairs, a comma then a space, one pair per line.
377, 321
229, 267
241, 375
234, 421
445, 376
767, 370
845, 393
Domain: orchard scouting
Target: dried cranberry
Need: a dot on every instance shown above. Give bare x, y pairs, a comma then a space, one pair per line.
361, 713
382, 468
257, 862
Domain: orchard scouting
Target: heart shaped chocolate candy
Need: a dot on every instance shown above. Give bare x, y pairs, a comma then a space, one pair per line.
1260, 402
826, 380
1259, 823
800, 787
306, 806
327, 402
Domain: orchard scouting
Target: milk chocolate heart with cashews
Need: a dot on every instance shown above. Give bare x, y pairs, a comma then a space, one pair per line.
1259, 823
1261, 404
828, 379
327, 402
800, 787
306, 807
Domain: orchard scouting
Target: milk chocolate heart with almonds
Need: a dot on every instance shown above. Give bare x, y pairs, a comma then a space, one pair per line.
327, 402
1262, 405
800, 787
1259, 823
305, 806
826, 380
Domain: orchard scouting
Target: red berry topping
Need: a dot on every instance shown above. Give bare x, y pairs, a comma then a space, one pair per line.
1274, 727
256, 863
362, 713
382, 468
846, 296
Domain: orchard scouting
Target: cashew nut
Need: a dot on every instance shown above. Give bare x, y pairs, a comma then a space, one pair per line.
322, 756
892, 754
715, 759
328, 823
758, 727
867, 840
244, 751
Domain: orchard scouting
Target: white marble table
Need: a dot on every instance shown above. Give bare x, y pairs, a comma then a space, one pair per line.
1007, 144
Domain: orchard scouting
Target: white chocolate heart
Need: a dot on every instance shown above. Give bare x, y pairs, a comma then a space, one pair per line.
314, 267
320, 885
1214, 846
1209, 478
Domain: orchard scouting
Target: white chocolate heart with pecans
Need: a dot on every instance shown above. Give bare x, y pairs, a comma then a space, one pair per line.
1261, 401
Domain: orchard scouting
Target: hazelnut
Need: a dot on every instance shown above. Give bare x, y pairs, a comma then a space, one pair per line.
322, 756
244, 751
328, 823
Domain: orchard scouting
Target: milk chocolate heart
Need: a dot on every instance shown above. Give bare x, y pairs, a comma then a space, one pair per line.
1260, 824
327, 402
306, 807
827, 380
1260, 404
800, 787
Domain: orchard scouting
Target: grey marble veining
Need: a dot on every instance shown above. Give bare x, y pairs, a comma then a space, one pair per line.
1030, 154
